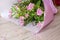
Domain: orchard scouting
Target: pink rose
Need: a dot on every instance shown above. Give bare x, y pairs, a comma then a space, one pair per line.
30, 6
26, 15
21, 20
16, 7
19, 0
10, 11
39, 12
10, 14
39, 24
21, 23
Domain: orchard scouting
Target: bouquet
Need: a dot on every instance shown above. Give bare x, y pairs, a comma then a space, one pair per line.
28, 11
34, 15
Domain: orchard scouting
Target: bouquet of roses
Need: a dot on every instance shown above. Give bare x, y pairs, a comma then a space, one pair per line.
28, 11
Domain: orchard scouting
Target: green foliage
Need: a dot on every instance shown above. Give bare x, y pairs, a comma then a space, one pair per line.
21, 11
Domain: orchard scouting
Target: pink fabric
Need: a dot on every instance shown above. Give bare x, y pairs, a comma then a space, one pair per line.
49, 11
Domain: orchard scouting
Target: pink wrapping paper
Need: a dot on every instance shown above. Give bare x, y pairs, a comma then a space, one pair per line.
50, 10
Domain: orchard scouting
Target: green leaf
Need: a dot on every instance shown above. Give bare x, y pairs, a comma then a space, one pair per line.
16, 16
13, 9
38, 3
34, 1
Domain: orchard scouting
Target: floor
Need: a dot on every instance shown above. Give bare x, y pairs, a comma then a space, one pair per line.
10, 31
